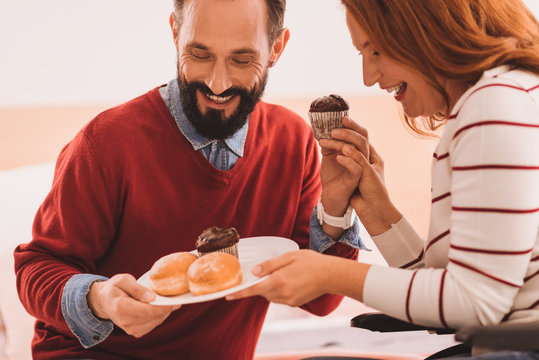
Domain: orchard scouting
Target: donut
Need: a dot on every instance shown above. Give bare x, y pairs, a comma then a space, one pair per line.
168, 275
214, 272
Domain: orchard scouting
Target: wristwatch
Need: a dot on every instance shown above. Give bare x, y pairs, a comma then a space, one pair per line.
344, 222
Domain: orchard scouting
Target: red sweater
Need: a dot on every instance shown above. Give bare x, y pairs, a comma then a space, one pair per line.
129, 188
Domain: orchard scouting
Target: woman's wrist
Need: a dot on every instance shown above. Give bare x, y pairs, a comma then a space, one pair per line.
378, 221
343, 272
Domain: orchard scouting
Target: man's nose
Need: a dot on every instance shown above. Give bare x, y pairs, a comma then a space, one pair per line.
218, 80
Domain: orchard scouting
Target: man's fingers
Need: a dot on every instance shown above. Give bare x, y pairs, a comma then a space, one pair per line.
329, 146
131, 287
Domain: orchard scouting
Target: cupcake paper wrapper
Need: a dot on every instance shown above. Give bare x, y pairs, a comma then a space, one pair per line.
232, 250
323, 122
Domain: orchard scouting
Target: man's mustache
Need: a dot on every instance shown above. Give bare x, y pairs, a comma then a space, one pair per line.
235, 90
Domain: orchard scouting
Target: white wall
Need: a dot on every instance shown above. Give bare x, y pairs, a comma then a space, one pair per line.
60, 52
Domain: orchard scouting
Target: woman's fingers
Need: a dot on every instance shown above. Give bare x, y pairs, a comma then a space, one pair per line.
351, 133
351, 164
351, 124
264, 268
269, 266
257, 289
375, 157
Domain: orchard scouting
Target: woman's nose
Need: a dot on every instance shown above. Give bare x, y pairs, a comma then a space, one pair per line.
371, 74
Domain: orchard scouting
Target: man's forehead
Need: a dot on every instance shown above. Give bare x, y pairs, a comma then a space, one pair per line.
233, 24
253, 12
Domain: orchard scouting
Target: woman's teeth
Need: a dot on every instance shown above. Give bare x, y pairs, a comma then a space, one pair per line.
398, 88
218, 99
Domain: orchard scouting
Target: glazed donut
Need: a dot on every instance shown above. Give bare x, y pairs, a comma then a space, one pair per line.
168, 275
214, 272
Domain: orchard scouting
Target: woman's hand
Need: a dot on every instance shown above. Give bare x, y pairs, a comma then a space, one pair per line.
371, 203
294, 278
298, 277
125, 302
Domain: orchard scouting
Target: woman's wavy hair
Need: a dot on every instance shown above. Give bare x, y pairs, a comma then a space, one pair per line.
452, 39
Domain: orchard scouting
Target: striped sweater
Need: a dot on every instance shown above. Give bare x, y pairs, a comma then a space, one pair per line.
480, 263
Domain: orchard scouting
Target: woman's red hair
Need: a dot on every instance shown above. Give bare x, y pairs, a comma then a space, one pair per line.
451, 39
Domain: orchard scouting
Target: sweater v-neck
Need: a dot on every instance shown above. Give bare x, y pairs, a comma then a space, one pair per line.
201, 161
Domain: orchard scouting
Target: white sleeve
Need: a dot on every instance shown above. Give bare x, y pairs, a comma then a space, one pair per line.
494, 221
401, 246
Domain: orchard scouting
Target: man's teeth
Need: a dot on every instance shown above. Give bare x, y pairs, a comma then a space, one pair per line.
397, 88
219, 99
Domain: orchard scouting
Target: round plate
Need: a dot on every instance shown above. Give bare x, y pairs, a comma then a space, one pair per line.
252, 251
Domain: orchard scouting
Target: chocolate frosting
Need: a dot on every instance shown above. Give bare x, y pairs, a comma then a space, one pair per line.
332, 102
215, 238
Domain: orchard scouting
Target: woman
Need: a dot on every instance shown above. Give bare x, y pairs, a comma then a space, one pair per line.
472, 66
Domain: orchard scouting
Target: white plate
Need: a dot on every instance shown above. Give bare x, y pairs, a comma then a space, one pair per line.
251, 251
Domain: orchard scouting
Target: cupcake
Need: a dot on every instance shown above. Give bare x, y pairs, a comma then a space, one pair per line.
216, 239
326, 113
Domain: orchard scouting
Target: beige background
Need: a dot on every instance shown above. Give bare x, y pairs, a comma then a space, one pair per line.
35, 135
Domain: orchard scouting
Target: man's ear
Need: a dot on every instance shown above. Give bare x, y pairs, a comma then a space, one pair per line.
278, 46
174, 28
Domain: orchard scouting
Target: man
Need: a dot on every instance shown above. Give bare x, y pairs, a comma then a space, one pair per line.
142, 180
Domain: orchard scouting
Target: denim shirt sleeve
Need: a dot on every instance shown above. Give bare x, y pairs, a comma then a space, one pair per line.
87, 328
320, 241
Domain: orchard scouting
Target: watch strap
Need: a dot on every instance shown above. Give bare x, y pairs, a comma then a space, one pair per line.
344, 222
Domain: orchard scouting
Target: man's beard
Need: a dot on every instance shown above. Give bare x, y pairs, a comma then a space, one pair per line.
213, 124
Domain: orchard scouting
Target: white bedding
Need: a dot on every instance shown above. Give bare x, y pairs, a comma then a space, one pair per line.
21, 192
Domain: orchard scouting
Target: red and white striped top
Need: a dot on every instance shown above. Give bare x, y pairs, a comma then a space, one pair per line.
480, 264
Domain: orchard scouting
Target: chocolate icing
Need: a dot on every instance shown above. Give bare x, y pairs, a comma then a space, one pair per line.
332, 102
215, 238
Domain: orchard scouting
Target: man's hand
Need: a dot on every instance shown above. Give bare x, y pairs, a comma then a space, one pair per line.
340, 182
125, 302
339, 174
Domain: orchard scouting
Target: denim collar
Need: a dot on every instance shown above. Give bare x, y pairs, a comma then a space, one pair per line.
236, 143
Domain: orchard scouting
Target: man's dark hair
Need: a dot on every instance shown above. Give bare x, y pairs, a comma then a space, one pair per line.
276, 10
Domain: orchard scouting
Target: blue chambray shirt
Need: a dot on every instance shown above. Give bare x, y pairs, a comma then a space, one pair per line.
91, 330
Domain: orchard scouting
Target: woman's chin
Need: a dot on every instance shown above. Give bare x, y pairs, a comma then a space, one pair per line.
413, 113
410, 113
